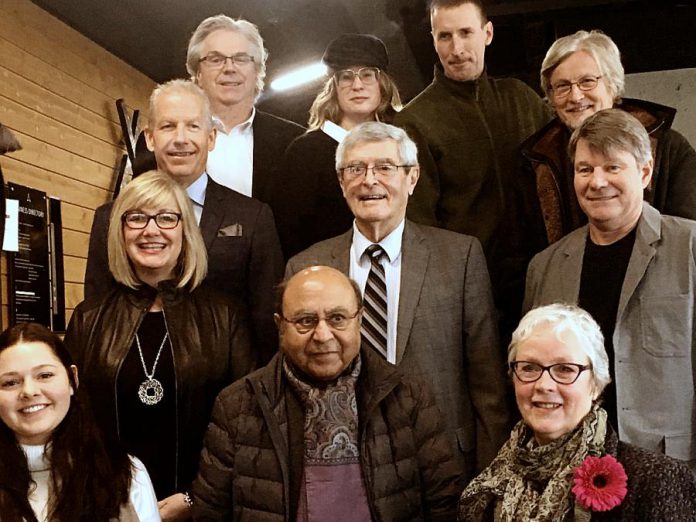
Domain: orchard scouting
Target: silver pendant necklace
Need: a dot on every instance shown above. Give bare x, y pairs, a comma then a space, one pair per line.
150, 391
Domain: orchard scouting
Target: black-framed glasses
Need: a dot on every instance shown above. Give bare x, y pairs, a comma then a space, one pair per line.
562, 373
562, 89
308, 322
217, 60
346, 77
383, 170
137, 220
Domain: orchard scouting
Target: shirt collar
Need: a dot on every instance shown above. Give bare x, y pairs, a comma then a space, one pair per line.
246, 124
196, 190
391, 243
334, 131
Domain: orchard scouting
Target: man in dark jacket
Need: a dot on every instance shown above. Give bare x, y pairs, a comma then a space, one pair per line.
244, 257
326, 431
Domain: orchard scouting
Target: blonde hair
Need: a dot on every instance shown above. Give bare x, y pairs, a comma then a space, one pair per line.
154, 189
325, 105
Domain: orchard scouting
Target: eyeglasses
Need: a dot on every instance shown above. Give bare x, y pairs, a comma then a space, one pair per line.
384, 170
309, 322
562, 373
217, 60
346, 77
136, 220
562, 89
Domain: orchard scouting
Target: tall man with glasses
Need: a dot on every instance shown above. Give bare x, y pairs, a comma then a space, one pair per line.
244, 256
634, 270
328, 430
468, 128
427, 299
226, 58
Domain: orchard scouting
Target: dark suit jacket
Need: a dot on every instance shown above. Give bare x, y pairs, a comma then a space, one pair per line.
272, 135
446, 331
247, 266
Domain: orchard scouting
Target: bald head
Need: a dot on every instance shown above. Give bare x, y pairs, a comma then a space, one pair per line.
319, 322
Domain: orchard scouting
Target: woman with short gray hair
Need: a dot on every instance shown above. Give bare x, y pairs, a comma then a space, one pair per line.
564, 461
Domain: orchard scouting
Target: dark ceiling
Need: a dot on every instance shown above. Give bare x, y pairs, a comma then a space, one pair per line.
152, 36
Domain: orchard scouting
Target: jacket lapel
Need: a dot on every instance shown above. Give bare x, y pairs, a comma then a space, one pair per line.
213, 212
414, 262
571, 267
643, 251
340, 252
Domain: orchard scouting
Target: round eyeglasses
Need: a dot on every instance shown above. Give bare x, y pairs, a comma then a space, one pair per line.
137, 220
346, 77
562, 373
309, 322
562, 89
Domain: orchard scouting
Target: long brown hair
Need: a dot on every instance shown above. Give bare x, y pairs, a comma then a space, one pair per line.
89, 482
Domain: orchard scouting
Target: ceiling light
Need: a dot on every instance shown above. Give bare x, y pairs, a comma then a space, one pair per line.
299, 77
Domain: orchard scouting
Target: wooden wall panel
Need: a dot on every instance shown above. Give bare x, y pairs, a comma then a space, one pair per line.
57, 94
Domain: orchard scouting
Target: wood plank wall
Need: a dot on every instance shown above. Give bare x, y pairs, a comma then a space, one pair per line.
57, 94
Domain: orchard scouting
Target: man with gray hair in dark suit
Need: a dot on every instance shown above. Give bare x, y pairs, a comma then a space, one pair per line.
244, 256
428, 305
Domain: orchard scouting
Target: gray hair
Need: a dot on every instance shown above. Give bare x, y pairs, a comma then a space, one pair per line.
595, 43
613, 130
567, 318
187, 87
373, 131
225, 23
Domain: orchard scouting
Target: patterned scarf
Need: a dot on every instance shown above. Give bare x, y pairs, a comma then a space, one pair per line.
531, 482
331, 416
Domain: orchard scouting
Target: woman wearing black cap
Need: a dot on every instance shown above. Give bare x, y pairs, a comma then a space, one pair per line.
358, 90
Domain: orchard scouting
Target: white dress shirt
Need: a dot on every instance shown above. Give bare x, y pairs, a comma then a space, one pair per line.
196, 193
231, 162
360, 268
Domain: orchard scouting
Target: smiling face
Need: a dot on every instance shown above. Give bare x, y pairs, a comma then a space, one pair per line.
358, 101
154, 252
34, 391
610, 188
460, 39
550, 409
324, 353
232, 84
579, 105
179, 136
378, 203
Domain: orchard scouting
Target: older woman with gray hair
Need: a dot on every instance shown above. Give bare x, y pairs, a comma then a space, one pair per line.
155, 351
564, 461
582, 74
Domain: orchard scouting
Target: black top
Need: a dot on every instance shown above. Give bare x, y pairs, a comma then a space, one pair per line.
149, 431
311, 206
603, 272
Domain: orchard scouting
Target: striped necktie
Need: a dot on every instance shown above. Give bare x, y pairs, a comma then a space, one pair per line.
374, 323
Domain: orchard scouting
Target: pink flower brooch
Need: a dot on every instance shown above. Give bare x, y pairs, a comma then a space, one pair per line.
599, 483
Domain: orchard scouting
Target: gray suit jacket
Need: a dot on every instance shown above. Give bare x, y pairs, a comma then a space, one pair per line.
446, 331
655, 333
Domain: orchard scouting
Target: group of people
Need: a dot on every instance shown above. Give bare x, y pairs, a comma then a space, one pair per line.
371, 383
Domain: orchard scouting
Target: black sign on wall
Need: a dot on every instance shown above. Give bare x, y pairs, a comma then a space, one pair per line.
30, 269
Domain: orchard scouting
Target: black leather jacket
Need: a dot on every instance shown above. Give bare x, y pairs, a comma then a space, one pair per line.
210, 348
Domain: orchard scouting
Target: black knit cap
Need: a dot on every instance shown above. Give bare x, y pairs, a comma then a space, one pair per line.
356, 49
